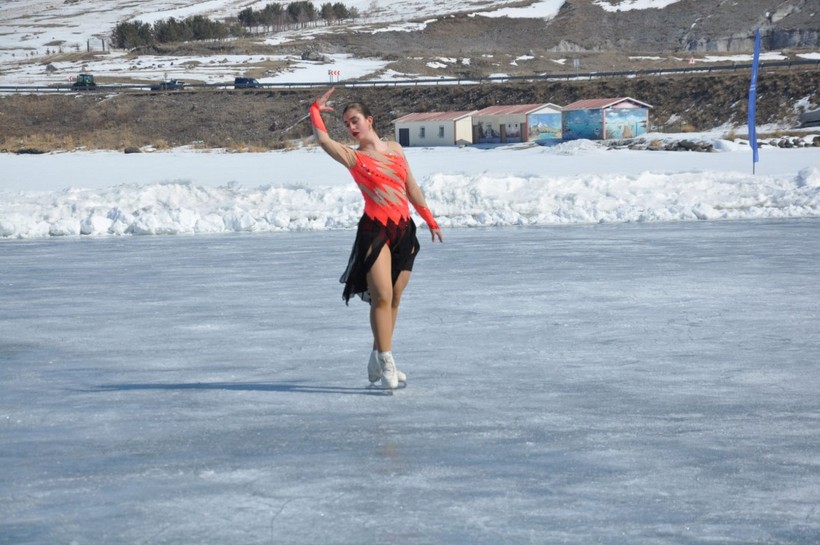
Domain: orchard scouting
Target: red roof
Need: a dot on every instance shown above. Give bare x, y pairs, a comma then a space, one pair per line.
434, 116
599, 103
514, 109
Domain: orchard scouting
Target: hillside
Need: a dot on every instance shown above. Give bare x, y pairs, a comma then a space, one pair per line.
263, 119
688, 25
581, 26
590, 35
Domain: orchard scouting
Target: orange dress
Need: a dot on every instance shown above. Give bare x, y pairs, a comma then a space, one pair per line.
386, 220
382, 179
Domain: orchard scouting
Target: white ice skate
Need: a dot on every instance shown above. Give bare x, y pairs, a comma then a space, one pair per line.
374, 370
390, 380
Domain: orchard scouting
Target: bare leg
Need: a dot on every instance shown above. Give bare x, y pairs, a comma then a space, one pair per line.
398, 289
380, 286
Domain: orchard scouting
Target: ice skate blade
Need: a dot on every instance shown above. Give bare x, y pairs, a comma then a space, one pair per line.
388, 391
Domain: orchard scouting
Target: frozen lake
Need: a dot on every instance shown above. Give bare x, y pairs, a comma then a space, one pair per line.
610, 384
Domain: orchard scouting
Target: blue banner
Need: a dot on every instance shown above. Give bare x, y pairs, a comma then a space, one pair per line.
753, 100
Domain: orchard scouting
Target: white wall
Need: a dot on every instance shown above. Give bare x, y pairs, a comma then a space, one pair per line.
464, 131
437, 133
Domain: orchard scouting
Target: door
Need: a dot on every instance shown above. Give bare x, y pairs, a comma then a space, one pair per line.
404, 138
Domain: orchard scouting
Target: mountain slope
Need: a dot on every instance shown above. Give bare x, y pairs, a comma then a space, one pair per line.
584, 25
260, 120
602, 35
688, 25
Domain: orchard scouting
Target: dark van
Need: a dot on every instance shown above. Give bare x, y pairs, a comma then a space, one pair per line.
246, 83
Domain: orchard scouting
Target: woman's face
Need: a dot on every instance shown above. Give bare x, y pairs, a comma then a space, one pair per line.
357, 124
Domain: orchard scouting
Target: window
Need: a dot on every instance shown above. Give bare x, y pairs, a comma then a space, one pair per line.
441, 132
421, 132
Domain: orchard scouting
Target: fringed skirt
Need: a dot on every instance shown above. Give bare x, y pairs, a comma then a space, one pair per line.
371, 236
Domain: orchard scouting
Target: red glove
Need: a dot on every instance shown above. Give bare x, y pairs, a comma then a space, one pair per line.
427, 216
316, 118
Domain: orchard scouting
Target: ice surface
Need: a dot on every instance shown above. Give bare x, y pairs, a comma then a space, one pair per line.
623, 383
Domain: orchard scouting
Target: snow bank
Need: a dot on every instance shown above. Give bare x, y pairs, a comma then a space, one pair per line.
189, 192
459, 200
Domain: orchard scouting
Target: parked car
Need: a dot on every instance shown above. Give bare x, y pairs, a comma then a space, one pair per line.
84, 82
810, 119
246, 83
170, 85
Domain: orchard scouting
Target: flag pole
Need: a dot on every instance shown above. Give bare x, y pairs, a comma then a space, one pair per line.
752, 100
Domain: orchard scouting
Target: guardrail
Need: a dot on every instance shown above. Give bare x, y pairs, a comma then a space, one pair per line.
423, 81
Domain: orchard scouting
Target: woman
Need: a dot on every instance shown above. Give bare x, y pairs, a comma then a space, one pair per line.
386, 243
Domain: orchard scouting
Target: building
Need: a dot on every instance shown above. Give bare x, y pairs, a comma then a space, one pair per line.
510, 124
434, 129
605, 119
544, 127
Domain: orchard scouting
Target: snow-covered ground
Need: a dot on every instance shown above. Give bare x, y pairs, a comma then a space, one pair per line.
196, 192
35, 33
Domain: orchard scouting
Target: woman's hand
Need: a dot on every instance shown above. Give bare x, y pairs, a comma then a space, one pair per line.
321, 102
436, 233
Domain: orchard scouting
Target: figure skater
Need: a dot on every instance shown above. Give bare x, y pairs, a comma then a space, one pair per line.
386, 245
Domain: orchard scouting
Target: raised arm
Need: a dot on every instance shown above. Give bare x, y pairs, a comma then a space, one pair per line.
339, 152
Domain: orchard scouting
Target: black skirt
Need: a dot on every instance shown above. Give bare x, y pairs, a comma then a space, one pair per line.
371, 236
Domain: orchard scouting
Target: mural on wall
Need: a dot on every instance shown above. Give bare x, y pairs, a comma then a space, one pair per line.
487, 134
512, 133
544, 127
626, 122
504, 134
578, 124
